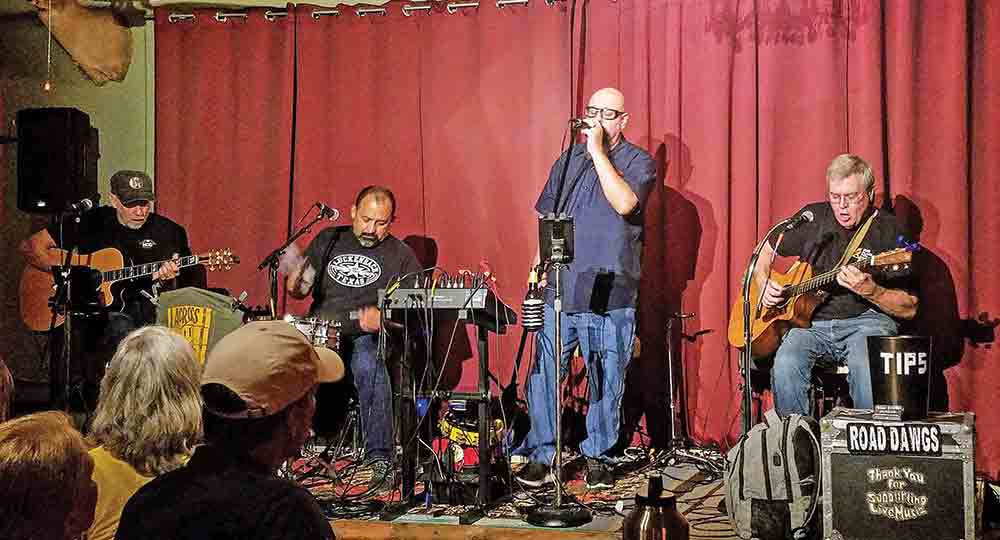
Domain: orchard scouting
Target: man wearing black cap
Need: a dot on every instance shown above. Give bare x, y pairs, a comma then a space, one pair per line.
130, 226
259, 392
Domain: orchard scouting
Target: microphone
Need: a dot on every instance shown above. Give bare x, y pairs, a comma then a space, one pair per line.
83, 205
533, 307
579, 123
326, 212
804, 217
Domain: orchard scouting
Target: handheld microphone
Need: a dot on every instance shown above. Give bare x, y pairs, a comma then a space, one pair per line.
804, 217
326, 212
83, 205
579, 123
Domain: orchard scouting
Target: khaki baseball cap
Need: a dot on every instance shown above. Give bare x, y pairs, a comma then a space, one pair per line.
131, 186
269, 365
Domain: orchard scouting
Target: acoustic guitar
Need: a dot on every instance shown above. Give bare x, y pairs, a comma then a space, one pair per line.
803, 296
37, 286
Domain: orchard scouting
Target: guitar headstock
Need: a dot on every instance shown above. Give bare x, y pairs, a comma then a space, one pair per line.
219, 259
896, 260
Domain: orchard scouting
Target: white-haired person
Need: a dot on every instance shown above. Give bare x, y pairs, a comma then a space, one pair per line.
147, 421
45, 485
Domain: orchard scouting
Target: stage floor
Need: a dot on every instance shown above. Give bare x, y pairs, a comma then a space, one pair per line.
700, 497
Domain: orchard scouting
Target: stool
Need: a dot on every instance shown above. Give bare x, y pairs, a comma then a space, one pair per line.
829, 389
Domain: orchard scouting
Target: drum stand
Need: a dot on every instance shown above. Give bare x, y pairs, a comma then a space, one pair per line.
677, 448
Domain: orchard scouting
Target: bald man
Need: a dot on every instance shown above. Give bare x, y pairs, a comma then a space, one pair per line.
607, 183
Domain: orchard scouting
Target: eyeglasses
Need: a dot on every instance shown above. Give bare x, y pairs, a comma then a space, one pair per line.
135, 204
850, 199
606, 114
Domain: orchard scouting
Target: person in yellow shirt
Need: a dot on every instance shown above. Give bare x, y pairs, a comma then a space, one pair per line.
147, 421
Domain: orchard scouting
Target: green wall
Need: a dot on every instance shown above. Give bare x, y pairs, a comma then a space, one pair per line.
123, 114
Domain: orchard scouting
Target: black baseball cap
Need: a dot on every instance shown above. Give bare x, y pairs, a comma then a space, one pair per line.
131, 186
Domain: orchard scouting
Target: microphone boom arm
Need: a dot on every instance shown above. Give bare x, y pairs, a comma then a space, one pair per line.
271, 263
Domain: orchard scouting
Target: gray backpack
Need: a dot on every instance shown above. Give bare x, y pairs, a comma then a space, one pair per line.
772, 479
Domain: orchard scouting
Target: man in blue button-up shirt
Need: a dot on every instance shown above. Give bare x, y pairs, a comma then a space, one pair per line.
606, 187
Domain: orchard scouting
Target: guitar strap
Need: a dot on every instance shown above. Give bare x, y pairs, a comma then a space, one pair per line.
859, 237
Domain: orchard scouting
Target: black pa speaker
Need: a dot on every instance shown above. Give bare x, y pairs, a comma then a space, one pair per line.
57, 154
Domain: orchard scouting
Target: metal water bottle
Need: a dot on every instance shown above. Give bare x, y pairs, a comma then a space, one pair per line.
655, 515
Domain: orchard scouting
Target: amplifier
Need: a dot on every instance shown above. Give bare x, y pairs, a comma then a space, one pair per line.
886, 480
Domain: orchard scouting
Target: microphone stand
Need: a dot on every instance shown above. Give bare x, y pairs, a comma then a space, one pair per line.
557, 230
746, 359
677, 449
271, 262
61, 302
558, 515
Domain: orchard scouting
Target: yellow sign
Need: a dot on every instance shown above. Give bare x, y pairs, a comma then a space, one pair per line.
195, 324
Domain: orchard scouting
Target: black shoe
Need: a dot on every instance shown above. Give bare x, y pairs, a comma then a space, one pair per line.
599, 475
535, 475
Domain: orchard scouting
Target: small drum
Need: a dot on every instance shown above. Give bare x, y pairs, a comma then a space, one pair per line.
321, 332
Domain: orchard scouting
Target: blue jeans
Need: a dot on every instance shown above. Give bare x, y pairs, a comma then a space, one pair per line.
371, 378
606, 344
844, 341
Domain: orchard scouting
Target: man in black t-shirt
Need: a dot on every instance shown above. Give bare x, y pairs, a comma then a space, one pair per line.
858, 304
343, 269
130, 226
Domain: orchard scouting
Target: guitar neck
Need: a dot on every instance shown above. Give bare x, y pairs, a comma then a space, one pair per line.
142, 270
825, 278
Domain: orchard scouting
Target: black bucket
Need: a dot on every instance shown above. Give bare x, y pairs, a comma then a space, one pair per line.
901, 370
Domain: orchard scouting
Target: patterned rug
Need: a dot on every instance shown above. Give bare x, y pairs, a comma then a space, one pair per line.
348, 489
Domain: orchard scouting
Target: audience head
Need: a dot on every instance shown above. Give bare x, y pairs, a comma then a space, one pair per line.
46, 490
149, 411
259, 389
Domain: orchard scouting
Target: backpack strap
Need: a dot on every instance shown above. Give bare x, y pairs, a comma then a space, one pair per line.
766, 465
789, 457
806, 512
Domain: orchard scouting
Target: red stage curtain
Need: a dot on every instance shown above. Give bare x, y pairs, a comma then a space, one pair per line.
743, 102
460, 114
224, 135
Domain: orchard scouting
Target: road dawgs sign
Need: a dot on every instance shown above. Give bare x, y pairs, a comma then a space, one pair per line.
910, 439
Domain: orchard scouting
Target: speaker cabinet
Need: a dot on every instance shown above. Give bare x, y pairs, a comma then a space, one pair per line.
57, 154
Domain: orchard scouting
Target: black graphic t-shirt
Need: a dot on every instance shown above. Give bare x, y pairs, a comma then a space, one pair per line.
349, 275
157, 240
821, 244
